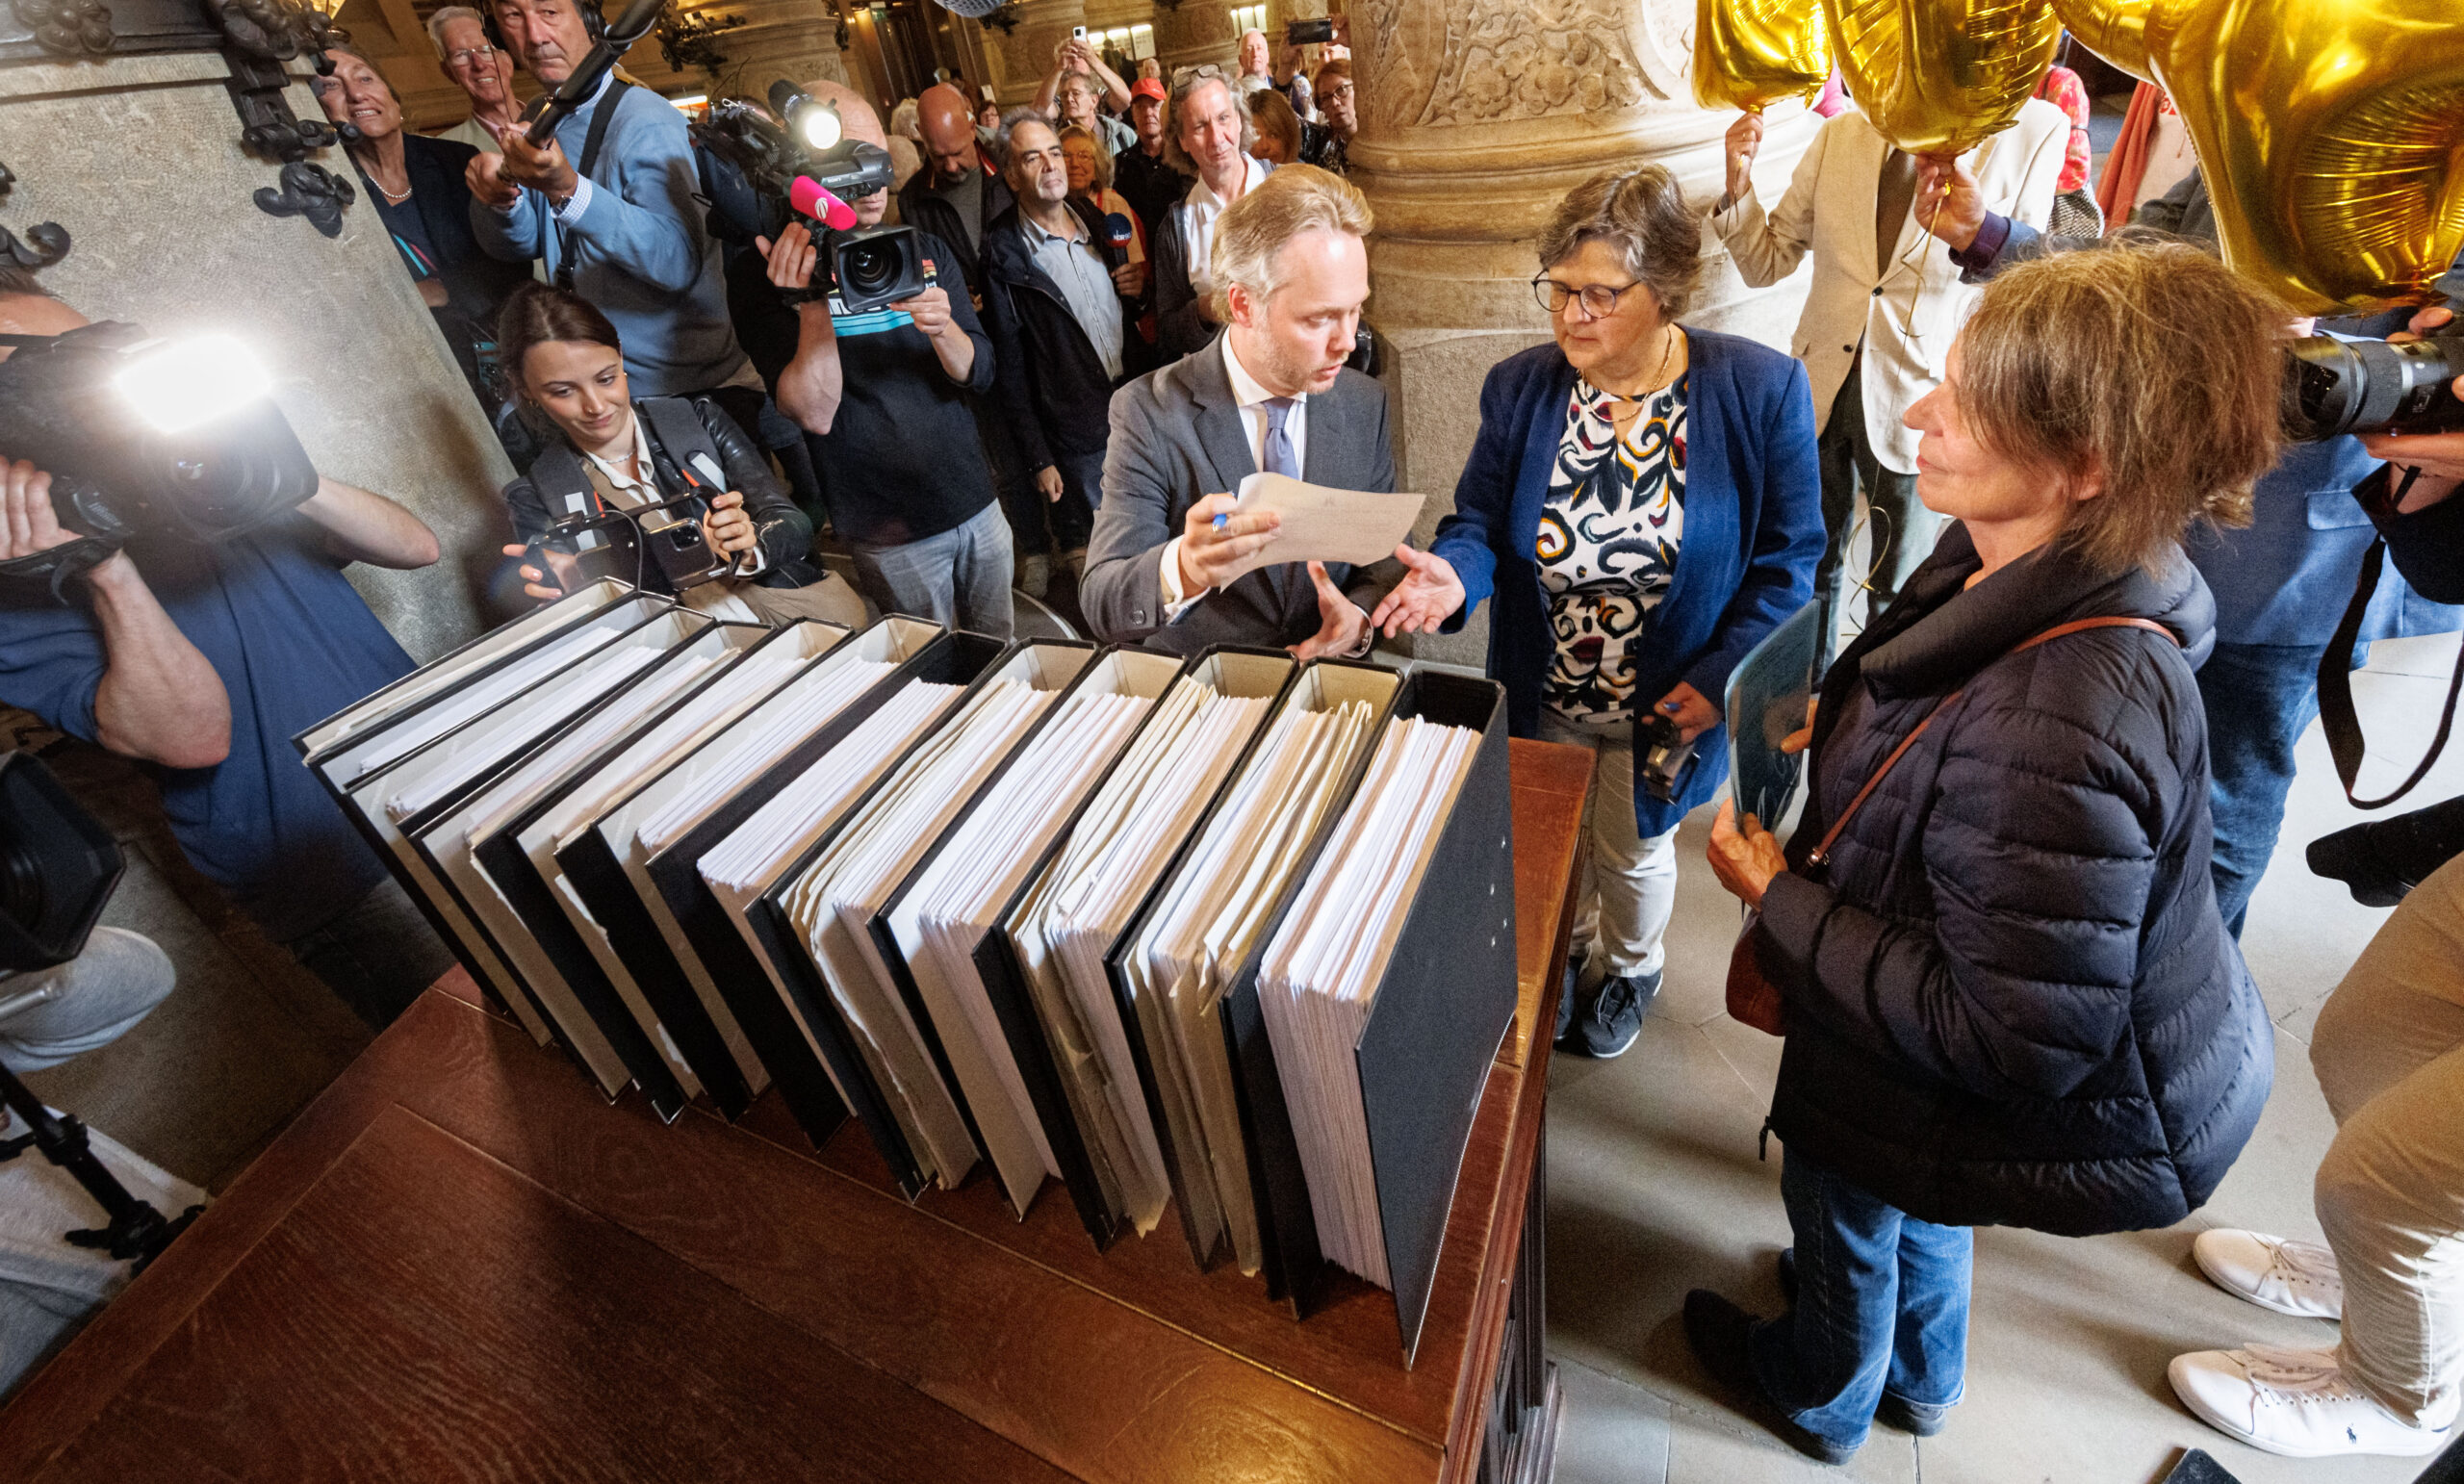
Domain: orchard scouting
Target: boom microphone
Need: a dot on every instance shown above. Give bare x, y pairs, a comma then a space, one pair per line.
808, 196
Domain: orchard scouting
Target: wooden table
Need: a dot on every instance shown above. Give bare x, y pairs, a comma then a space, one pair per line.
459, 1263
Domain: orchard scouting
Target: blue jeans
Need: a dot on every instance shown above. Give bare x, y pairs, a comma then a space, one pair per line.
960, 577
2260, 697
1882, 1305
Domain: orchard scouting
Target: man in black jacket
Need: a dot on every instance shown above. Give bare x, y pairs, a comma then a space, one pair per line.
1058, 306
952, 197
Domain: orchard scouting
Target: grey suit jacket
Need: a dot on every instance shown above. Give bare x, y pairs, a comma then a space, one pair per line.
1176, 438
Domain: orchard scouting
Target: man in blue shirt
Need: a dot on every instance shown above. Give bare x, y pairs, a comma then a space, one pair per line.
622, 226
204, 660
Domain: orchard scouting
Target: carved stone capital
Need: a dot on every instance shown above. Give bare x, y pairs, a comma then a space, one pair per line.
67, 28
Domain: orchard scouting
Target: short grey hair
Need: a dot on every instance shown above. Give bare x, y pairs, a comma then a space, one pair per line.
447, 15
1254, 229
1641, 214
1186, 81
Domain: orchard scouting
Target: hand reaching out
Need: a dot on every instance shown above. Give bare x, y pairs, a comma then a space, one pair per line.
1341, 625
1426, 598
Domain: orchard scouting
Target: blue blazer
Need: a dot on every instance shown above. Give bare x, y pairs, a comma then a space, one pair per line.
1753, 533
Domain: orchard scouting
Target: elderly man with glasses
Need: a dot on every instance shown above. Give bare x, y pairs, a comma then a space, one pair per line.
482, 71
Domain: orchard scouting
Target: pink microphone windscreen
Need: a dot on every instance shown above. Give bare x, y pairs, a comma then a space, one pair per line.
808, 199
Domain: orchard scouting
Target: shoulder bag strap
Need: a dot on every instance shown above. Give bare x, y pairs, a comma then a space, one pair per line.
602, 114
1831, 836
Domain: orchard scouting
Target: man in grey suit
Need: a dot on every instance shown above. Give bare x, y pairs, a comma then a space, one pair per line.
1270, 392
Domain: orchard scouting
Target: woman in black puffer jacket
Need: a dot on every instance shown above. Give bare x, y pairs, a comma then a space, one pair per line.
2007, 994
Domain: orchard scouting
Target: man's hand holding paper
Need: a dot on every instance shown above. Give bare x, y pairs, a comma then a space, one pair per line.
1306, 523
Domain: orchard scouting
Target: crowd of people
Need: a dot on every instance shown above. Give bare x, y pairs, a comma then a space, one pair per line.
2048, 769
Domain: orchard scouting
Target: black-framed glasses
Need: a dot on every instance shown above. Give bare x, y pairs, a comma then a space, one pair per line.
1599, 299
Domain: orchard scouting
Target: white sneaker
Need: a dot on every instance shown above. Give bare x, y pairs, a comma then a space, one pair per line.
2296, 1402
2291, 1277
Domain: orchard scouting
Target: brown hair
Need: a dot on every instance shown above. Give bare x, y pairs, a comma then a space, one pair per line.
1340, 67
1186, 81
2076, 363
1641, 214
1103, 180
1270, 117
1296, 199
536, 314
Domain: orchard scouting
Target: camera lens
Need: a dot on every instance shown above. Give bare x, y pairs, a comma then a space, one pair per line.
867, 268
21, 895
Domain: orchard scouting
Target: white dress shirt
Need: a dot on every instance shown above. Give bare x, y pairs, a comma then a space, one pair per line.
1200, 209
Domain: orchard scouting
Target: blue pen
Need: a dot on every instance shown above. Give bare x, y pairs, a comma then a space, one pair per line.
1221, 519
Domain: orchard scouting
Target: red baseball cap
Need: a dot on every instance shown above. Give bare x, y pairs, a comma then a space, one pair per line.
1147, 87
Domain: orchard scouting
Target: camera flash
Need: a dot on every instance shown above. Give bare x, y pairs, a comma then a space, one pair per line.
192, 381
819, 126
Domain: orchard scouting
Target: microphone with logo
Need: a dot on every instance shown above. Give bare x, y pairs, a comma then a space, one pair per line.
1118, 236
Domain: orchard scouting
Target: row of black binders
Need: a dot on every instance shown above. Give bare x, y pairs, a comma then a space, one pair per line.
1232, 933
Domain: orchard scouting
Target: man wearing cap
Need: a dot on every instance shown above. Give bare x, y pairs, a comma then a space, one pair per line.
1140, 173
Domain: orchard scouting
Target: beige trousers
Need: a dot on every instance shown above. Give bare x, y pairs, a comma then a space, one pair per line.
1629, 884
2389, 1051
833, 599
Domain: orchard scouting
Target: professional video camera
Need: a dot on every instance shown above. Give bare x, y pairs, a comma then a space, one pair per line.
58, 868
138, 435
800, 165
2373, 386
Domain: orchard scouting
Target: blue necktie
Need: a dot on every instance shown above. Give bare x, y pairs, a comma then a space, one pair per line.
1278, 450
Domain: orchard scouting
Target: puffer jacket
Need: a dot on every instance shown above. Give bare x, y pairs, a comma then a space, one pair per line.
2010, 998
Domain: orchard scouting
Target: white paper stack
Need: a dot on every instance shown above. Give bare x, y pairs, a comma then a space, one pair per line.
953, 902
744, 865
1084, 901
737, 690
1319, 978
833, 902
1206, 924
684, 795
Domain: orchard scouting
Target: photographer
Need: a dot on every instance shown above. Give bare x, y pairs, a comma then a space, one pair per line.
885, 399
203, 660
563, 359
610, 207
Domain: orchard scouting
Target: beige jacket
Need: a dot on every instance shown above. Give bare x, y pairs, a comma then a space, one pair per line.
1905, 313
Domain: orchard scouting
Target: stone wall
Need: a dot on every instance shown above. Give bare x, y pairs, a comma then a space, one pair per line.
138, 159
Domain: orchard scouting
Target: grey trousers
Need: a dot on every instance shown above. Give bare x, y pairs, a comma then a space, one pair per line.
960, 577
94, 999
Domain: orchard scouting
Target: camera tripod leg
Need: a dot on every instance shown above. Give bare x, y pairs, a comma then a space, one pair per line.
136, 1230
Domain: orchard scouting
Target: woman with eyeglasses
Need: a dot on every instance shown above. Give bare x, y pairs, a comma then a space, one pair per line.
1644, 503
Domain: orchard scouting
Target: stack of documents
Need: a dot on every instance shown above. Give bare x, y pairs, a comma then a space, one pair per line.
832, 904
1202, 929
588, 981
1324, 966
1083, 902
943, 916
750, 860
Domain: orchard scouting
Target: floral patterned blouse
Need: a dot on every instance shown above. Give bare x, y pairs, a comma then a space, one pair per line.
1608, 540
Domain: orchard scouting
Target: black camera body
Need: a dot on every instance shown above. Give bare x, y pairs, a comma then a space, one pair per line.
1304, 32
2334, 386
1663, 757
114, 477
867, 268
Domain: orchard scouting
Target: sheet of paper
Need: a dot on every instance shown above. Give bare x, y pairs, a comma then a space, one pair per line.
1322, 524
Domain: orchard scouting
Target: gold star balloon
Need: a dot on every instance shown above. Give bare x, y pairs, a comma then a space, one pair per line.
2331, 133
1750, 54
1940, 76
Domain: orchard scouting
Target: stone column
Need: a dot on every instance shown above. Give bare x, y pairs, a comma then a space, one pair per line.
1027, 51
139, 158
1477, 117
1195, 31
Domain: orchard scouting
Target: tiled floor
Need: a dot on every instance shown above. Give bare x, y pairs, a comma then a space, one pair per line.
1654, 1188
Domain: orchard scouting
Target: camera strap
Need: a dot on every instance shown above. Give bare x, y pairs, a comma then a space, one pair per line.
601, 116
2337, 717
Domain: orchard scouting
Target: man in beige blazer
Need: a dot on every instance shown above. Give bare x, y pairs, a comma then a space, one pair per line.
1885, 303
